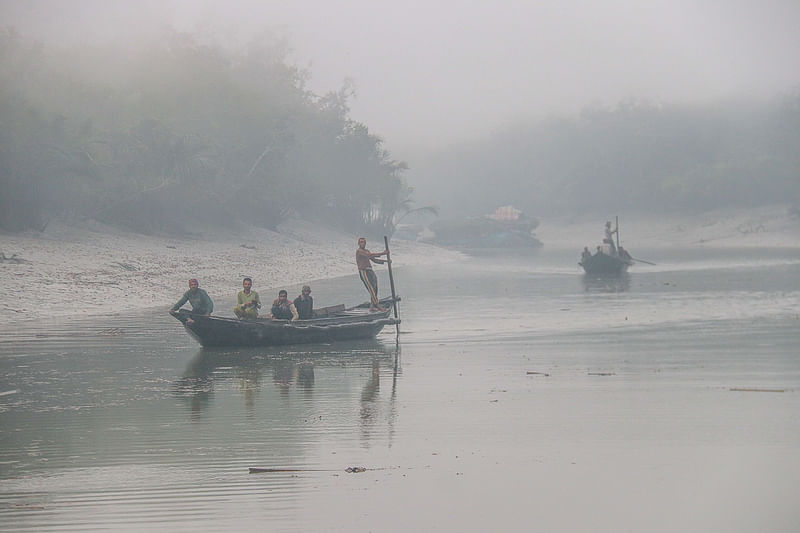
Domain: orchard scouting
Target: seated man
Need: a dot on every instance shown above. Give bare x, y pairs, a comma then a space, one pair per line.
283, 308
247, 301
197, 297
305, 303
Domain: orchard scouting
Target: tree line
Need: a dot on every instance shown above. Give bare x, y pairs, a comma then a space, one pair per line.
636, 156
158, 137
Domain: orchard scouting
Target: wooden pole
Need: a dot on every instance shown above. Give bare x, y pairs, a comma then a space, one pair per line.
391, 277
616, 219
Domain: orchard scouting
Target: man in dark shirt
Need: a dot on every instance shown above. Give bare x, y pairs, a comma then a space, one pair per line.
197, 297
305, 303
283, 308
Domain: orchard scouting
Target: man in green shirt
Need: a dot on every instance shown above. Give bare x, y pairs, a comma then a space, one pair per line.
247, 301
197, 297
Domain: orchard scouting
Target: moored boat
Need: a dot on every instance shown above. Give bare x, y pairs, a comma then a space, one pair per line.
506, 229
333, 323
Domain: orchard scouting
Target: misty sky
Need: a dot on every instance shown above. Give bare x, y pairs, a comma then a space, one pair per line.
429, 74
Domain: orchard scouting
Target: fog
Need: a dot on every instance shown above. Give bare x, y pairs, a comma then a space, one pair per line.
447, 87
429, 74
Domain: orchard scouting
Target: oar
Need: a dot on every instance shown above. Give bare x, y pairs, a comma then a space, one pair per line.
639, 260
391, 280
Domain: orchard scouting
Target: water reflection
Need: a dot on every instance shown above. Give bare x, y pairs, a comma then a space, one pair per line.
369, 393
610, 283
284, 370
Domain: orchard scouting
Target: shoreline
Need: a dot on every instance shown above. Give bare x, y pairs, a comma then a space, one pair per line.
92, 269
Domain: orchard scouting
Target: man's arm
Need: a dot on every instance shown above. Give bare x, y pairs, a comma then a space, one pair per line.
182, 301
373, 256
209, 303
293, 309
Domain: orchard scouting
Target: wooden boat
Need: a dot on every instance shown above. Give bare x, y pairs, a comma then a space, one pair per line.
333, 323
601, 263
507, 228
613, 261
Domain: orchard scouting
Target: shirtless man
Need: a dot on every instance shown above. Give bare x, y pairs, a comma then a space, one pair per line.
364, 260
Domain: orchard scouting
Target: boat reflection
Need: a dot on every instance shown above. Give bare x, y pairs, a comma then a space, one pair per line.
291, 369
607, 283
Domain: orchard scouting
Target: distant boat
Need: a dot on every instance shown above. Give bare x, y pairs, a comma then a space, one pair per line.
601, 263
609, 259
333, 323
506, 228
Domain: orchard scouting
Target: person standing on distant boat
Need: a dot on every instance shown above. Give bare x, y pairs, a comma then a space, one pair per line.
283, 308
197, 297
304, 303
364, 258
609, 236
247, 301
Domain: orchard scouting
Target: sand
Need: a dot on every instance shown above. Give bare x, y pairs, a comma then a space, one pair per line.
73, 270
93, 269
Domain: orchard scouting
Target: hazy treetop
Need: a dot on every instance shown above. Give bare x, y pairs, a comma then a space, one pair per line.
433, 73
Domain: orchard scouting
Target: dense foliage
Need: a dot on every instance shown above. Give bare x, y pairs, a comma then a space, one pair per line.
633, 157
157, 137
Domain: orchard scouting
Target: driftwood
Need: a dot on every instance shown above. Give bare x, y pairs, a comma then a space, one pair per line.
127, 266
349, 470
736, 389
12, 259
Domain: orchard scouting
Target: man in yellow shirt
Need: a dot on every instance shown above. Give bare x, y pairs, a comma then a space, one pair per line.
247, 301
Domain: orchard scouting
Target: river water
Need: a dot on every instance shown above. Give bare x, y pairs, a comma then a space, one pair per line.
521, 396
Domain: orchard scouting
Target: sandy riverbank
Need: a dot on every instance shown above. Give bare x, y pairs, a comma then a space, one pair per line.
92, 269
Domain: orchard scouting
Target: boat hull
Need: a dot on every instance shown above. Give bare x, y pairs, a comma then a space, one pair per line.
220, 331
604, 264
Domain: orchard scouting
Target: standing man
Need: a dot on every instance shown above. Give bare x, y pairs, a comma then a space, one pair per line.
247, 301
364, 260
610, 236
197, 297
